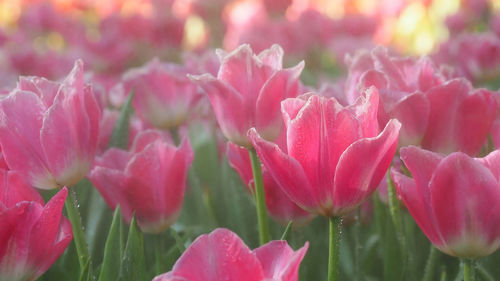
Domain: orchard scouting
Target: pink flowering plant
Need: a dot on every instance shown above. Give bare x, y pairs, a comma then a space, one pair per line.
249, 140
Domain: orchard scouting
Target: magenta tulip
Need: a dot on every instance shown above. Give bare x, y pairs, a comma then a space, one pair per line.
222, 255
149, 179
49, 131
455, 199
248, 90
279, 206
32, 236
164, 96
320, 167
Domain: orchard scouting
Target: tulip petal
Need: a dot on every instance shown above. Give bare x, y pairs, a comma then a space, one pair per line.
242, 71
474, 120
239, 159
163, 168
283, 84
319, 134
279, 261
220, 255
444, 102
54, 230
413, 113
109, 183
464, 197
286, 171
21, 121
272, 57
355, 180
417, 206
229, 107
422, 164
14, 189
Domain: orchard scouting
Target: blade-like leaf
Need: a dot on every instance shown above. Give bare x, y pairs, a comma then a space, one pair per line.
119, 136
133, 264
110, 268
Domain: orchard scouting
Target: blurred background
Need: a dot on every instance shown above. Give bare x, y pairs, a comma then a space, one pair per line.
43, 38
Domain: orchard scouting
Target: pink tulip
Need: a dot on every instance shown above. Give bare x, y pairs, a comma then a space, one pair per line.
279, 206
320, 167
436, 112
454, 199
164, 96
49, 131
248, 90
149, 179
32, 236
222, 255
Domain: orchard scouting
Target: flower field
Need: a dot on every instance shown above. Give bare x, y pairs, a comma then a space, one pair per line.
249, 140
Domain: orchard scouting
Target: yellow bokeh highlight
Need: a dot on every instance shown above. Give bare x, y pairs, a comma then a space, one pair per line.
195, 33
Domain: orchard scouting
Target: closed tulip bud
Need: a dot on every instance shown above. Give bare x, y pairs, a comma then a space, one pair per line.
149, 180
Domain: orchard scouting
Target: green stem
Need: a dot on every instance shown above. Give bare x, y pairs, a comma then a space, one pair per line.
431, 264
357, 245
334, 248
395, 212
469, 274
71, 205
260, 198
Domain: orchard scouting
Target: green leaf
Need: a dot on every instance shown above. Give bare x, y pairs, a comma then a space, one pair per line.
112, 250
133, 264
119, 136
287, 231
86, 274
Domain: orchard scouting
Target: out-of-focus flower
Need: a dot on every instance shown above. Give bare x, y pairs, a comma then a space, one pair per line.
279, 206
163, 95
49, 131
454, 199
320, 168
149, 180
222, 255
32, 235
248, 90
475, 55
436, 112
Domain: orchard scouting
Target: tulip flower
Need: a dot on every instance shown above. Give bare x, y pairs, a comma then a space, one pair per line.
279, 206
324, 136
164, 96
222, 255
436, 112
455, 199
32, 236
49, 131
149, 179
248, 90
319, 167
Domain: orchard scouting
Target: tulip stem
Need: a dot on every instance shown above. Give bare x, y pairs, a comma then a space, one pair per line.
334, 248
468, 266
397, 218
260, 198
431, 264
71, 205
